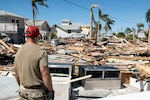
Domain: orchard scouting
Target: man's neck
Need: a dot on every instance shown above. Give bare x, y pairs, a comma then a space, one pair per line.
30, 41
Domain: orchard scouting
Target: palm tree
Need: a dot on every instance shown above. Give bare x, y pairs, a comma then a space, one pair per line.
98, 24
127, 31
35, 9
148, 21
101, 17
139, 26
108, 24
133, 29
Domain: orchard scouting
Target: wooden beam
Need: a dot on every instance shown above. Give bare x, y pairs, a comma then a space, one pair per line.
80, 78
143, 68
7, 47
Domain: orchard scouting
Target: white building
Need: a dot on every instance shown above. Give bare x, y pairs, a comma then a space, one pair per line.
43, 27
66, 29
12, 25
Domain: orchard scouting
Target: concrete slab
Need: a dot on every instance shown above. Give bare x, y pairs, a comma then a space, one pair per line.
98, 94
8, 87
133, 96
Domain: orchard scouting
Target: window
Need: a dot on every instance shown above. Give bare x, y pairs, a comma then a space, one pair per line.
13, 21
69, 31
17, 21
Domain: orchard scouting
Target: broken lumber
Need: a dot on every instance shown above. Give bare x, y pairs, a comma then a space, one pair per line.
143, 68
127, 41
80, 78
5, 45
113, 60
76, 48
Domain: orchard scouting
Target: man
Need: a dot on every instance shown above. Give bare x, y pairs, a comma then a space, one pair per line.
31, 69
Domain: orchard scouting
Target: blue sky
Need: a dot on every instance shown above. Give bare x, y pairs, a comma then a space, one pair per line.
126, 13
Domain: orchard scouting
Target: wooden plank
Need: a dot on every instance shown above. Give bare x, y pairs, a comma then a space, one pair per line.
80, 78
143, 68
131, 58
88, 58
9, 48
75, 48
121, 61
125, 77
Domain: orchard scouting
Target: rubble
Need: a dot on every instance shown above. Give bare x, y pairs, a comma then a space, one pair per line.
114, 51
130, 56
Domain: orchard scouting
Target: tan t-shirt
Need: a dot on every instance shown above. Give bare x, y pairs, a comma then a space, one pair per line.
28, 60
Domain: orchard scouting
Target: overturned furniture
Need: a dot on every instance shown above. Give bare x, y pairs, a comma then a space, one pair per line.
103, 77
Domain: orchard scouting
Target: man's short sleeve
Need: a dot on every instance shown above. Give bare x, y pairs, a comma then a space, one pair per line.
44, 59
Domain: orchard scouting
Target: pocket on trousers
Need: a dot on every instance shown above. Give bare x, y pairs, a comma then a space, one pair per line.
31, 93
36, 93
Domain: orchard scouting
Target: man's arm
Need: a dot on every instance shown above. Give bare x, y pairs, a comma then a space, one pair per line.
17, 77
46, 78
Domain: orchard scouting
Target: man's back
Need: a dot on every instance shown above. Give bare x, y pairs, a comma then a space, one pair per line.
31, 69
27, 63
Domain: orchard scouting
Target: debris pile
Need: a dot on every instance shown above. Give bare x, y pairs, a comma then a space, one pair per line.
130, 56
7, 52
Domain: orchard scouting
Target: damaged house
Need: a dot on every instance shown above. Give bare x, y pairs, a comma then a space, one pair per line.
12, 25
67, 29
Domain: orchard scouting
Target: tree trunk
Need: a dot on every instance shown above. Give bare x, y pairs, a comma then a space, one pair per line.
33, 17
149, 34
91, 22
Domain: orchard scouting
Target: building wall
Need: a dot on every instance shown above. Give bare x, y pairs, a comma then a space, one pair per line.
13, 19
42, 26
85, 29
44, 30
68, 33
14, 27
61, 33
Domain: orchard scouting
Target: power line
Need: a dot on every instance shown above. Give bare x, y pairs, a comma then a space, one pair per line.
97, 12
124, 20
76, 5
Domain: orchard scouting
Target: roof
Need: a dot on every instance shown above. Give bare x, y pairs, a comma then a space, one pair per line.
5, 13
70, 27
37, 22
66, 20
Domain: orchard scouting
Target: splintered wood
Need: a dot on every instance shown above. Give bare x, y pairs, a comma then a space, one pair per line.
145, 68
121, 53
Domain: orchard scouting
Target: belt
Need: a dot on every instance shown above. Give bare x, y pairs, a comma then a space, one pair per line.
34, 87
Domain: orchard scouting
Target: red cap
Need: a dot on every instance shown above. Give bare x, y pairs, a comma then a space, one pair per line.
32, 31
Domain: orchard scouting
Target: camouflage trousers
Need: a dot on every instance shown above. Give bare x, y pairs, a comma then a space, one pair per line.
32, 94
